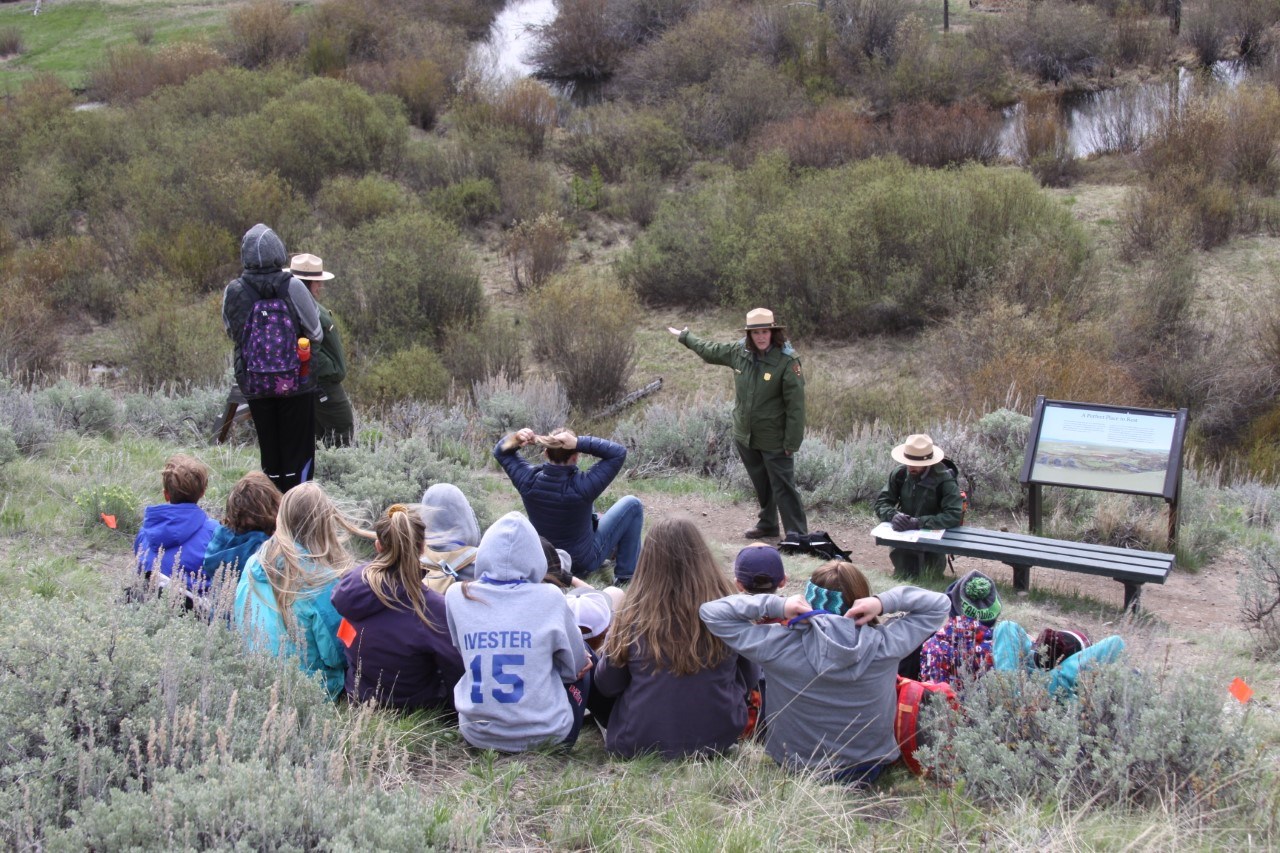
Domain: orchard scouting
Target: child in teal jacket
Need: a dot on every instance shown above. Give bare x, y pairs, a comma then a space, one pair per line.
282, 600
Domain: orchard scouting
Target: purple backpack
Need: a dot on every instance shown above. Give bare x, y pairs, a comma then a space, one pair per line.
270, 349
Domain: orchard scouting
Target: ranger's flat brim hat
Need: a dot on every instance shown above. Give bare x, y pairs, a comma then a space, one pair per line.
760, 318
309, 268
918, 451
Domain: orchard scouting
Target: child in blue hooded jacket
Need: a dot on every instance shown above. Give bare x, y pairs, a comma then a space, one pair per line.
176, 533
249, 521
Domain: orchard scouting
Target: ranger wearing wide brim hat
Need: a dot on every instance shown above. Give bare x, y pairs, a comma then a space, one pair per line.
768, 415
335, 417
922, 494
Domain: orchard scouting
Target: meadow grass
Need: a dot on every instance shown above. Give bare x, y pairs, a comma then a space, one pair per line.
67, 39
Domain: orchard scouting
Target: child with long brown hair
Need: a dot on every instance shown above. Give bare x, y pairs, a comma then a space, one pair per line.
832, 680
282, 599
401, 654
680, 690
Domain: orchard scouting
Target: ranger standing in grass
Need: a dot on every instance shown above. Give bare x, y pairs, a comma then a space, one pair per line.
768, 415
335, 419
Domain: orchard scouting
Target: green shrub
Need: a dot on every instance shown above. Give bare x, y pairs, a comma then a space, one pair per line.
199, 255
528, 188
738, 99
613, 137
491, 348
710, 39
537, 250
583, 326
31, 427
376, 474
171, 336
261, 32
470, 201
934, 136
29, 340
85, 410
114, 500
943, 71
420, 84
130, 72
833, 135
351, 202
637, 198
529, 108
321, 129
11, 41
415, 373
579, 43
409, 277
1129, 739
186, 415
8, 445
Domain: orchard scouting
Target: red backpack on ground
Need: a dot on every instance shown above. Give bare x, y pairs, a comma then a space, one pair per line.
912, 696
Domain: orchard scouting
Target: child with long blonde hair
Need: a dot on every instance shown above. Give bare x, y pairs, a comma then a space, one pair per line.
680, 690
401, 654
832, 680
282, 599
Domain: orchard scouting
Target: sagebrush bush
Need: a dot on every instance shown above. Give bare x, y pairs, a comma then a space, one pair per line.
1260, 599
1129, 739
583, 326
351, 202
186, 415
506, 404
536, 250
389, 470
80, 409
133, 710
1059, 41
408, 278
694, 437
31, 427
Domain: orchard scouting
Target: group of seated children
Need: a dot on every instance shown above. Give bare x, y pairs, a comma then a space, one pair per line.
496, 628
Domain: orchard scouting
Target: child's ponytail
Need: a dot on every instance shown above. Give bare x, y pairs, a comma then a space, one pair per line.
401, 536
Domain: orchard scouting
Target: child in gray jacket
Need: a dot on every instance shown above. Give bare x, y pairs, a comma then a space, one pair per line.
832, 680
524, 656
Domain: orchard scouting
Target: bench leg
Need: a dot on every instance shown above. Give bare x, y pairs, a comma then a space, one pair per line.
1132, 592
1021, 577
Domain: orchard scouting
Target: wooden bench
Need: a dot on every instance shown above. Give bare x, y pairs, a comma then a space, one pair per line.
1130, 567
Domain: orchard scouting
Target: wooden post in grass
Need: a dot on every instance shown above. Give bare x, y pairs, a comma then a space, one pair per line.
946, 16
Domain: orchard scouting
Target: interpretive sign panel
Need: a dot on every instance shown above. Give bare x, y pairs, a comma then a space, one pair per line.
1110, 448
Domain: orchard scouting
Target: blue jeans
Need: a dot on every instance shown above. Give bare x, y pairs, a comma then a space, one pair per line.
619, 531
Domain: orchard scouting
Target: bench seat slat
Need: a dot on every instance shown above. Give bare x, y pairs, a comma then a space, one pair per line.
1117, 566
1051, 549
1041, 541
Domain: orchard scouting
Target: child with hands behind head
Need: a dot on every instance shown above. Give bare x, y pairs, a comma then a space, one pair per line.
832, 677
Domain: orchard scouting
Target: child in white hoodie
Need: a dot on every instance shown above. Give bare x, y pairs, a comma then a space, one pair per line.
832, 680
525, 682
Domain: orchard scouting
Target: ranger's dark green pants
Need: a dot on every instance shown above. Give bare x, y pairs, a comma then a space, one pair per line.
773, 474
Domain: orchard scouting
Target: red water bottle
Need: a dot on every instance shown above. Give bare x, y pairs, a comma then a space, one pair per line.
304, 357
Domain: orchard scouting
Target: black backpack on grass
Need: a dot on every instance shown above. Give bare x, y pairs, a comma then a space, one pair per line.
815, 544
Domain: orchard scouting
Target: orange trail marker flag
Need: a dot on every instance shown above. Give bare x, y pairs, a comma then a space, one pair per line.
108, 520
346, 633
1241, 691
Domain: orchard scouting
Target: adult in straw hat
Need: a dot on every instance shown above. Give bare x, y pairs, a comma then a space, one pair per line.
922, 494
335, 419
768, 415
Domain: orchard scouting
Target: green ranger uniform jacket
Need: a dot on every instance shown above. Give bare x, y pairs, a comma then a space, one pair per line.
769, 411
329, 360
934, 498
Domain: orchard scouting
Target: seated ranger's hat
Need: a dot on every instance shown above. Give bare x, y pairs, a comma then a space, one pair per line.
760, 318
918, 451
309, 268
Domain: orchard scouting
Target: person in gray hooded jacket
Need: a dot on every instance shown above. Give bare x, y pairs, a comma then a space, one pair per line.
285, 424
523, 652
832, 680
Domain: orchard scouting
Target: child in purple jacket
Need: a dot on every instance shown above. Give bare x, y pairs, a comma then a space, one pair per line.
401, 654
